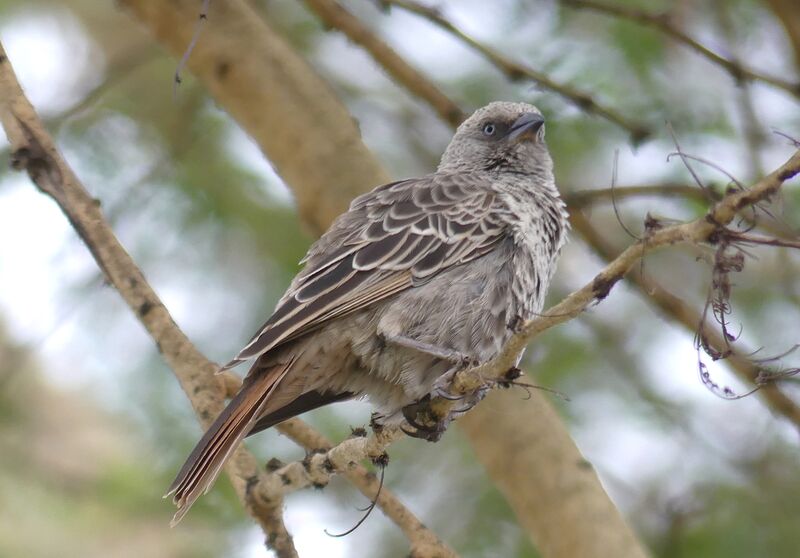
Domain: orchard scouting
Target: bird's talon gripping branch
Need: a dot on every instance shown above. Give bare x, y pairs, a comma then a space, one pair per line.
427, 425
443, 385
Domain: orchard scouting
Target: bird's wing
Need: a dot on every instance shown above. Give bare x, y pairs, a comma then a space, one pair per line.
398, 236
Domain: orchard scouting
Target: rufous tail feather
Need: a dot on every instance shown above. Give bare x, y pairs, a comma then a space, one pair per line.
209, 455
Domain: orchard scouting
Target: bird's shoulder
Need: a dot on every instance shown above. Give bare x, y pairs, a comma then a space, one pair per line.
446, 207
394, 238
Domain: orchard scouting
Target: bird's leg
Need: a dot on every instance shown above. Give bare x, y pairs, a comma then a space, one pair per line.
459, 360
436, 351
427, 424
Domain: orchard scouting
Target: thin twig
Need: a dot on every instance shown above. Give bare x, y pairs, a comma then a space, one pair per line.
367, 510
583, 198
201, 19
34, 151
622, 224
663, 24
681, 312
516, 71
335, 16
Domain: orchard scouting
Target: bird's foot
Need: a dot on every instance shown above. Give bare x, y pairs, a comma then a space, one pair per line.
427, 424
443, 385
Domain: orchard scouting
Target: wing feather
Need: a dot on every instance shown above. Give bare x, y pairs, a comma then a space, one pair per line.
394, 238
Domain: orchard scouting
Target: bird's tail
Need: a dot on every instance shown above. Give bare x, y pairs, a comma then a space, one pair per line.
206, 460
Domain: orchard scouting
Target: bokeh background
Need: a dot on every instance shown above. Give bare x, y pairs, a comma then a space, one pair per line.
93, 425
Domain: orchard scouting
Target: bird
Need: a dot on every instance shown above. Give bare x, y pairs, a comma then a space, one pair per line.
416, 280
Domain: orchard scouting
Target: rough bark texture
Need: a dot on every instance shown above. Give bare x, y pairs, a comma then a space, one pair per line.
566, 509
306, 132
33, 151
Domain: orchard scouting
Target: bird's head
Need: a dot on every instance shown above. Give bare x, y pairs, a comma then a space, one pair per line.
500, 136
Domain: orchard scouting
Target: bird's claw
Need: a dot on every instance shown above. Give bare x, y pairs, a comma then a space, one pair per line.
426, 425
442, 385
429, 435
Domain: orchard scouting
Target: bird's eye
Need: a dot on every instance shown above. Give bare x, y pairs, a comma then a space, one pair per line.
489, 129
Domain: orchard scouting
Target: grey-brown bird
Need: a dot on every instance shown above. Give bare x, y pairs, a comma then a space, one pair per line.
416, 279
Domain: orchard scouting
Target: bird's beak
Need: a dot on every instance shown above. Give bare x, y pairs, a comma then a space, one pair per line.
525, 126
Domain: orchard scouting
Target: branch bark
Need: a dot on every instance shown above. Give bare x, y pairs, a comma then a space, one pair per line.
34, 151
276, 97
334, 15
516, 71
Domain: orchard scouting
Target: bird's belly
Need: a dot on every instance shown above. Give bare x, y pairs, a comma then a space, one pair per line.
465, 310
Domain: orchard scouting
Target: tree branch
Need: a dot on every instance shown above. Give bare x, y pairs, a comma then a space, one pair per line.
34, 151
423, 541
582, 198
699, 231
663, 24
544, 444
244, 64
516, 71
678, 311
334, 15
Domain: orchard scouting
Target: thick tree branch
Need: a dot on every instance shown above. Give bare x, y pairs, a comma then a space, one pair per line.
663, 24
267, 87
516, 71
34, 151
544, 444
335, 16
